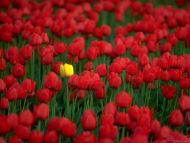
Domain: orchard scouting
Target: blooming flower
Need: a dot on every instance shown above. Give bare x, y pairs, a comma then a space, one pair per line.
66, 70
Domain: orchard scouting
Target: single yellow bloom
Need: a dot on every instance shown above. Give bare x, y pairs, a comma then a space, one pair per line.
66, 70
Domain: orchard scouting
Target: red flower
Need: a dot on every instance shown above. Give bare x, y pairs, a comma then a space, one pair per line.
41, 111
29, 86
59, 48
121, 118
45, 38
110, 108
108, 131
155, 126
114, 80
105, 141
26, 118
2, 85
176, 118
101, 69
26, 52
35, 137
9, 80
88, 120
12, 120
106, 119
14, 139
92, 53
85, 137
143, 59
131, 68
184, 102
100, 93
137, 80
35, 39
53, 124
68, 128
55, 67
168, 91
134, 113
76, 47
50, 137
22, 132
88, 66
43, 95
12, 55
46, 55
115, 67
18, 70
2, 64
4, 126
4, 103
184, 82
51, 81
123, 99
12, 93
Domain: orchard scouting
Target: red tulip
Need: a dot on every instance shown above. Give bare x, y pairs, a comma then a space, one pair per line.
123, 99
35, 39
168, 91
184, 102
35, 137
22, 132
26, 118
88, 66
41, 111
121, 118
105, 141
26, 52
2, 85
12, 93
14, 139
43, 95
85, 137
18, 70
46, 55
9, 80
114, 80
106, 119
29, 86
110, 108
101, 69
2, 64
55, 67
176, 118
184, 82
13, 120
50, 137
68, 128
76, 46
51, 81
59, 48
107, 131
12, 55
155, 126
131, 68
88, 120
4, 103
134, 113
4, 126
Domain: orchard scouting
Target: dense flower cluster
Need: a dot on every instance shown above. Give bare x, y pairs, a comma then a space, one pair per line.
85, 71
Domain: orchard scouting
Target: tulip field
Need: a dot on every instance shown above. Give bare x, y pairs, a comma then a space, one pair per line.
94, 71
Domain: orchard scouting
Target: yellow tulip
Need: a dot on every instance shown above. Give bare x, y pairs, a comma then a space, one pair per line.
66, 70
